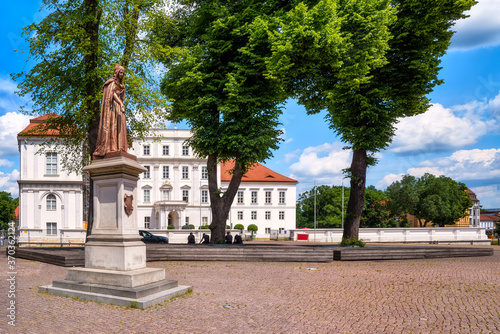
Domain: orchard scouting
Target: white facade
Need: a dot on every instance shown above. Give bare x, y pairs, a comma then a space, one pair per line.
175, 191
50, 200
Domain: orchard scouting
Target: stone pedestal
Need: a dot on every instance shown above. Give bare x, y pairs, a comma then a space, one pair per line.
115, 257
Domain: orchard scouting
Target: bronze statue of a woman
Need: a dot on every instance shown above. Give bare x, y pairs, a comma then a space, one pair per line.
112, 135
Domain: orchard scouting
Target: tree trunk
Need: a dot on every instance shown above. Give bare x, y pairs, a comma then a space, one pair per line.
359, 166
92, 87
220, 203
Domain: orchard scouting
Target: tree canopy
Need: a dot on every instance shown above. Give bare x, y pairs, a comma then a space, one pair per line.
7, 207
386, 63
437, 200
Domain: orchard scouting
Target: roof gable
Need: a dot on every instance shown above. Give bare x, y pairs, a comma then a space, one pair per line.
257, 173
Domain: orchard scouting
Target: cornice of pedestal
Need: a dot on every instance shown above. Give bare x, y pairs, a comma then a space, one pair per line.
115, 165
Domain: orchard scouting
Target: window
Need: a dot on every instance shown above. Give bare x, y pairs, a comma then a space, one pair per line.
185, 172
147, 197
145, 149
267, 230
185, 150
166, 172
185, 195
268, 215
51, 228
204, 196
51, 202
254, 197
204, 172
240, 197
187, 220
51, 164
268, 197
165, 195
254, 215
204, 220
147, 174
282, 215
240, 215
147, 222
281, 229
282, 197
166, 150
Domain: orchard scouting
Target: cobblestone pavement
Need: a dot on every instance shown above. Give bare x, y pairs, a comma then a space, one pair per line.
459, 295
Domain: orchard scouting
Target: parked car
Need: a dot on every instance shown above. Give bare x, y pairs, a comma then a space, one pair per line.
149, 238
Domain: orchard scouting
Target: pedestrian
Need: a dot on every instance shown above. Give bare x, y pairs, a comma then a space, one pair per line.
237, 239
205, 239
229, 238
191, 238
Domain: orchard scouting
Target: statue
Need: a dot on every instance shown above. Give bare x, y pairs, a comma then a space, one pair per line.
112, 135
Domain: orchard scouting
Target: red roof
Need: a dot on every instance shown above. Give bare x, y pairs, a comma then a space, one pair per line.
257, 173
470, 192
488, 218
36, 127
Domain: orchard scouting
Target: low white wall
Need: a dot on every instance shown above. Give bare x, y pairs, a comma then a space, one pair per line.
410, 235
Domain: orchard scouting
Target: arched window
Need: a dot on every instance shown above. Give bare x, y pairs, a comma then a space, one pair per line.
51, 202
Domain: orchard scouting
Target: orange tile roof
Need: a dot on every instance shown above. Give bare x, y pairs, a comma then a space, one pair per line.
470, 192
257, 173
488, 218
37, 127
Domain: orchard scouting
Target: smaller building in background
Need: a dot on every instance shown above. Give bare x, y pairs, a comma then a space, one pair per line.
488, 222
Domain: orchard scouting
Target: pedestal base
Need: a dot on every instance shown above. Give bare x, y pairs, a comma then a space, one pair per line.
138, 288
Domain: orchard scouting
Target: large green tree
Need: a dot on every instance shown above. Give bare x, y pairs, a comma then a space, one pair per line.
328, 207
437, 200
72, 52
387, 63
218, 85
7, 207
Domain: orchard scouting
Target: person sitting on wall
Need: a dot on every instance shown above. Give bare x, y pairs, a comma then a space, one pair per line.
191, 238
205, 239
237, 239
229, 238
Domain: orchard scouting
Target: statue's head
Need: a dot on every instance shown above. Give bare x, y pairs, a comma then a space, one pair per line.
119, 71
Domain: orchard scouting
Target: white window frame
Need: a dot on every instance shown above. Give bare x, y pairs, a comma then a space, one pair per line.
268, 197
147, 174
185, 196
185, 150
282, 197
147, 222
185, 172
146, 196
240, 215
166, 150
282, 215
204, 196
51, 228
240, 197
51, 202
166, 172
253, 215
146, 150
267, 230
204, 221
268, 215
165, 195
254, 197
51, 163
204, 172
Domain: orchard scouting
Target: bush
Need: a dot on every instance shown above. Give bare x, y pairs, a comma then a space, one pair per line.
352, 242
239, 227
228, 227
170, 227
204, 227
188, 227
252, 228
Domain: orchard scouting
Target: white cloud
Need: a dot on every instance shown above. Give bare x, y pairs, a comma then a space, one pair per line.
323, 164
7, 86
440, 129
291, 155
489, 196
420, 171
10, 125
480, 29
8, 182
388, 180
4, 162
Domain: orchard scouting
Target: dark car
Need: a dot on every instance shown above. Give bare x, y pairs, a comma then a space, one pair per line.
149, 238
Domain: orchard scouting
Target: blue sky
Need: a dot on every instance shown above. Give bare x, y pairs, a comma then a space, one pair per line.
458, 137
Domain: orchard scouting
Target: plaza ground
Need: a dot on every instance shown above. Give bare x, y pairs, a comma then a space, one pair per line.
460, 295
